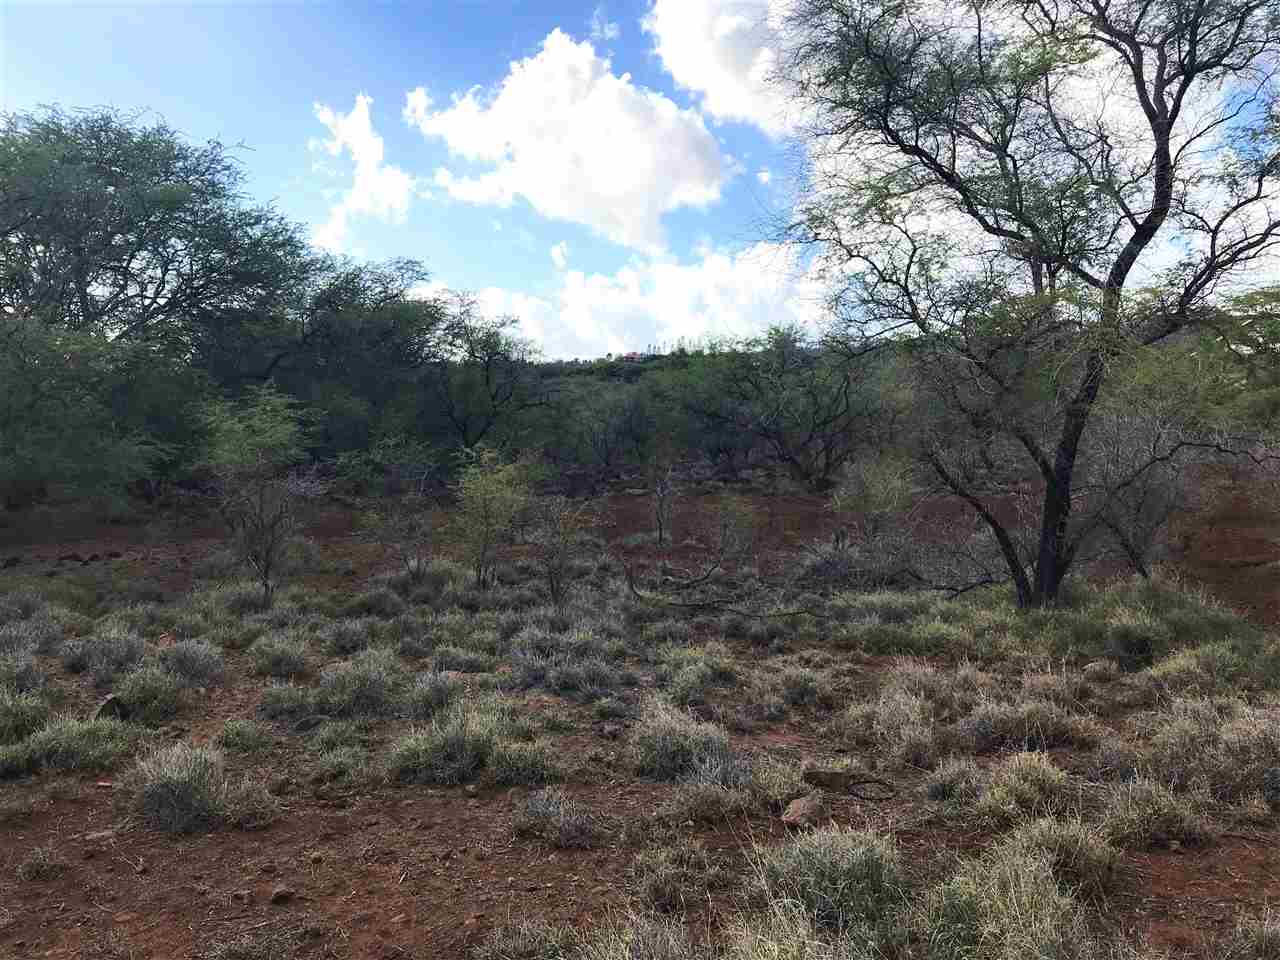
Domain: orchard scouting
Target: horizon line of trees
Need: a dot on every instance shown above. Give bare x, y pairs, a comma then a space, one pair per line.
988, 340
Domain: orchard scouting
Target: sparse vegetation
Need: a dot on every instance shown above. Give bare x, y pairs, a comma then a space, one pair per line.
843, 877
822, 634
1080, 857
462, 741
669, 745
66, 743
1006, 906
151, 694
194, 663
1144, 813
184, 789
1023, 786
243, 736
279, 655
550, 815
39, 865
181, 789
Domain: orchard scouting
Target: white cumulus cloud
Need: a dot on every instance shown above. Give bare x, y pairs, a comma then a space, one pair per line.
378, 189
579, 143
560, 255
726, 51
661, 301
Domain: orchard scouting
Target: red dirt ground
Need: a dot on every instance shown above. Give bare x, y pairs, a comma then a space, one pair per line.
425, 873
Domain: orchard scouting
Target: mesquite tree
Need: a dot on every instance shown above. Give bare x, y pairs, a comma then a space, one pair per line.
256, 448
1034, 194
491, 492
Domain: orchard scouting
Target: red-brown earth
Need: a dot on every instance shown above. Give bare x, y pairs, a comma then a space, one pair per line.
426, 873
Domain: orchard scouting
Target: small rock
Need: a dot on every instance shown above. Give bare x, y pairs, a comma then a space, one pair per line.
611, 731
470, 789
242, 896
282, 894
10, 562
317, 857
114, 554
808, 811
100, 836
71, 558
269, 869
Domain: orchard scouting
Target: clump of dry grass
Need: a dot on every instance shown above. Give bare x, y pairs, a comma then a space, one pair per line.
1007, 905
668, 744
669, 879
1079, 855
1220, 747
185, 789
40, 864
552, 816
1144, 813
842, 877
1023, 786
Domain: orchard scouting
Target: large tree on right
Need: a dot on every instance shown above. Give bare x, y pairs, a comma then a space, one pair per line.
1045, 201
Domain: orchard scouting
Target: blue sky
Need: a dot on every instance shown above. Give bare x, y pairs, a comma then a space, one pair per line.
604, 172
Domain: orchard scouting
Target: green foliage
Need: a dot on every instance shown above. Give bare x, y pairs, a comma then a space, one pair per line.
105, 654
430, 693
195, 663
253, 446
58, 434
513, 763
369, 684
491, 492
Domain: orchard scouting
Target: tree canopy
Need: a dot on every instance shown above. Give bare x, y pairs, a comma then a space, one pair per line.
1034, 192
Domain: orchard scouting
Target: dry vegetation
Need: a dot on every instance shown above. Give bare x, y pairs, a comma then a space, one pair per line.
1038, 765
